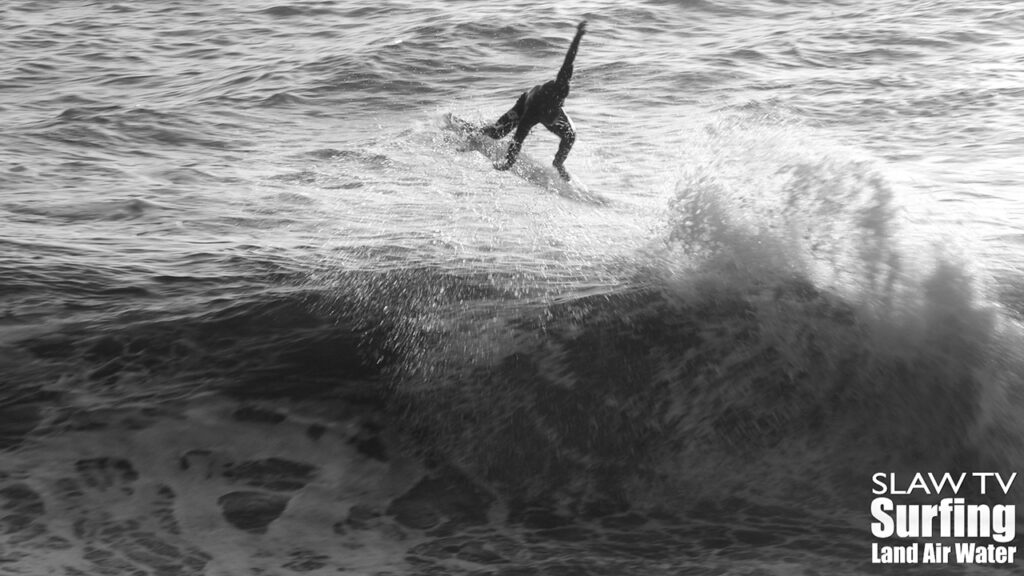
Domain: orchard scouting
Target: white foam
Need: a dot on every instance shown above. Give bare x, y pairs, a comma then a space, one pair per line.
205, 436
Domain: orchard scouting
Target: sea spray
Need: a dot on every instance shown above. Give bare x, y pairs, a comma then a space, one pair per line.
780, 325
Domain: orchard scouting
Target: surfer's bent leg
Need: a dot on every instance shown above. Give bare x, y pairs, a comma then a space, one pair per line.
508, 120
563, 128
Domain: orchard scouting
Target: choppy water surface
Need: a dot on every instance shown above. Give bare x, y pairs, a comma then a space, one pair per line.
245, 272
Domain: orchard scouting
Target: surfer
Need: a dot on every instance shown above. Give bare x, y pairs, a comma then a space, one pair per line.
541, 104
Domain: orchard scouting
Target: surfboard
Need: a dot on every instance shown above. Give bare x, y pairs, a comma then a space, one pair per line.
469, 138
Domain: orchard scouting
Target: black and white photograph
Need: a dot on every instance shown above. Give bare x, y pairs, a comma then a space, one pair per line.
576, 288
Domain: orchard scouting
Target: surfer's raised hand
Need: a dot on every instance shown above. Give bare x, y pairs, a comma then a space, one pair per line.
581, 28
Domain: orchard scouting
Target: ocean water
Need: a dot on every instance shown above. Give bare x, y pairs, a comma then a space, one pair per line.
261, 312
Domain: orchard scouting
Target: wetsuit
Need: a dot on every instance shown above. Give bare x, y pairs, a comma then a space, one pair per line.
541, 104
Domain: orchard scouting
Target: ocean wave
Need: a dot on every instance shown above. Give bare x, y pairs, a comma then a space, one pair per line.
204, 202
784, 322
100, 211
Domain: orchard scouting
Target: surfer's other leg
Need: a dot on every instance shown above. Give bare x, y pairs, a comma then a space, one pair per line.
566, 132
507, 122
515, 146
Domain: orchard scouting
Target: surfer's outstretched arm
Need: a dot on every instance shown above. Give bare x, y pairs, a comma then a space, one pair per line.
565, 74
